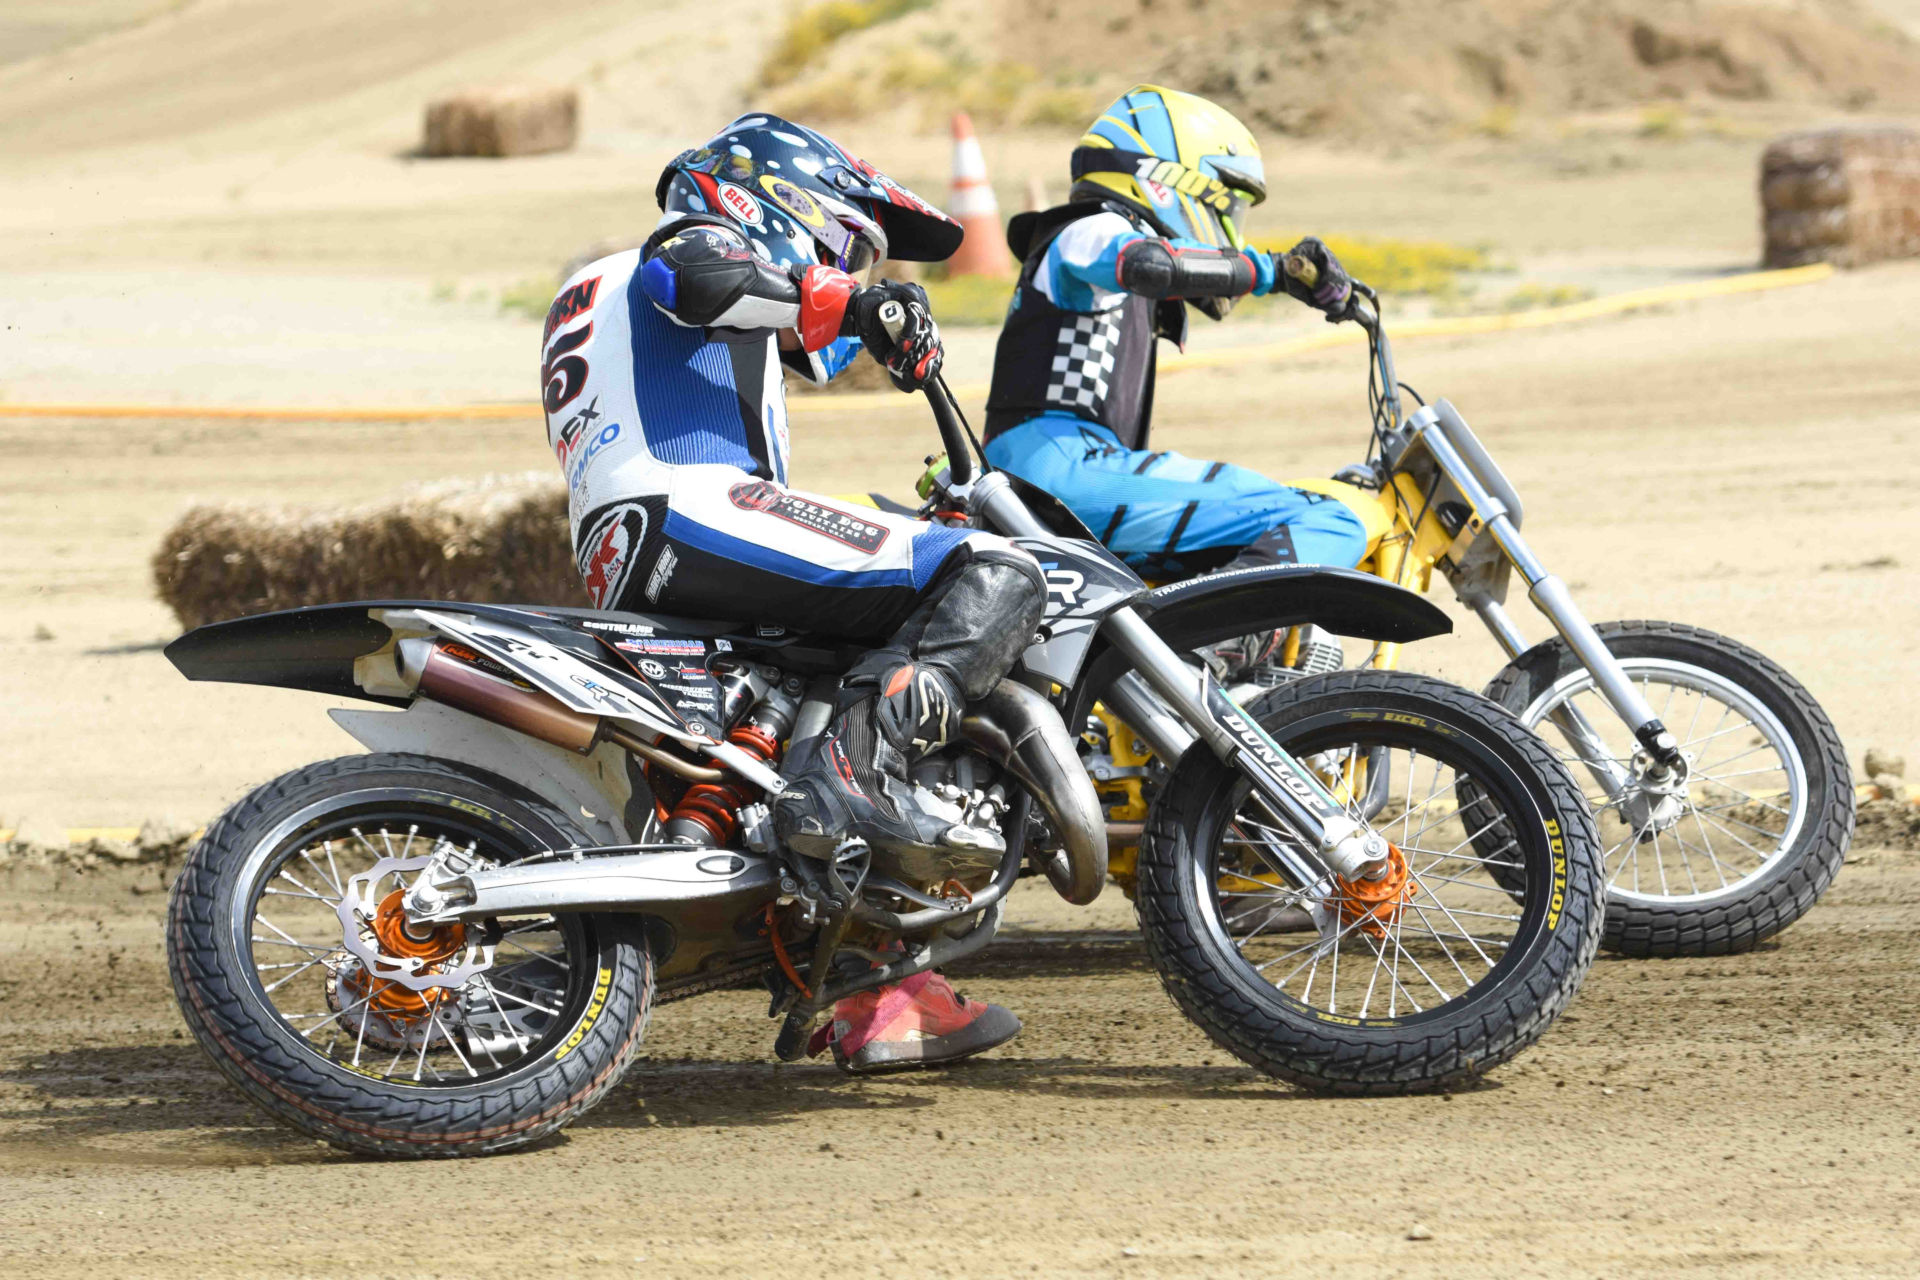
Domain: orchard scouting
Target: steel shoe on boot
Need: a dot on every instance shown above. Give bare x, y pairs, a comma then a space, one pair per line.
919, 1022
1234, 660
849, 782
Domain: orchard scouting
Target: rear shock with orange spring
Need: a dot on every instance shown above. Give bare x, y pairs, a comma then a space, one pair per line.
709, 812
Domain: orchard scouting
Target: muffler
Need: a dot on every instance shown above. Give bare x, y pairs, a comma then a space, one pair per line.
446, 672
1016, 725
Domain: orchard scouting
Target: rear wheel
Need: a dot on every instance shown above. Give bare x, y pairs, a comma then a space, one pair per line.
1423, 980
297, 971
1756, 833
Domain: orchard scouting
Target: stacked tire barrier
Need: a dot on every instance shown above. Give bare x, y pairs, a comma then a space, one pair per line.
1845, 196
517, 121
499, 540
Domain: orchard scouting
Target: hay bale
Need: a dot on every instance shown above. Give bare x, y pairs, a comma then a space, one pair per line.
500, 540
521, 120
1847, 196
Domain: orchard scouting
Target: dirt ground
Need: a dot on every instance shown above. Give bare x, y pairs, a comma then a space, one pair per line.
1743, 464
214, 202
1746, 1116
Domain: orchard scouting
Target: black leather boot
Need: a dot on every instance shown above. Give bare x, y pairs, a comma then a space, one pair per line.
849, 782
904, 702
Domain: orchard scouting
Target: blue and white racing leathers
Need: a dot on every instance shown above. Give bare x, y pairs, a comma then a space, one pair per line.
673, 440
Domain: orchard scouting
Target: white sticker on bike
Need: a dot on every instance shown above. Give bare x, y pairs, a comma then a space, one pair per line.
578, 685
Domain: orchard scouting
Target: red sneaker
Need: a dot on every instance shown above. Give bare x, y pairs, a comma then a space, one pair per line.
919, 1022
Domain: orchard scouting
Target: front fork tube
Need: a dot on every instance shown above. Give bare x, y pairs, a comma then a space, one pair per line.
1344, 846
1551, 597
1611, 775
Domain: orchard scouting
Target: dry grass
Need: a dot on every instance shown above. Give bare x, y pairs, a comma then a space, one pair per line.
812, 29
969, 300
1404, 268
1465, 301
521, 120
1662, 120
996, 93
529, 298
501, 539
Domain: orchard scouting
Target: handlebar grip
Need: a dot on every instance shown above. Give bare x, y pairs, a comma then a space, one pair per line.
1302, 269
893, 318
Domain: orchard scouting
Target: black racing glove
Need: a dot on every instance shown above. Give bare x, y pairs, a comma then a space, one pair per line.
1326, 286
913, 359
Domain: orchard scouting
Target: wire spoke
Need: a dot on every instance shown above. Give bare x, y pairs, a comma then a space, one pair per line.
550, 1010
538, 955
1730, 834
330, 1018
288, 893
433, 1016
281, 982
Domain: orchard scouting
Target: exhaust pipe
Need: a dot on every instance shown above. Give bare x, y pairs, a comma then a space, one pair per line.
1015, 724
454, 675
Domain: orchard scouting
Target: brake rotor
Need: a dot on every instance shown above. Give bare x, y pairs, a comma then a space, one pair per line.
403, 973
1374, 906
389, 948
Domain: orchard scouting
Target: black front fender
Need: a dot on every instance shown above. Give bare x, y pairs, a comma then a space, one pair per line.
1345, 601
1204, 610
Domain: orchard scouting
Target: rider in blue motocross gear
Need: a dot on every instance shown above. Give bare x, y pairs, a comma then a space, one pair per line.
1152, 226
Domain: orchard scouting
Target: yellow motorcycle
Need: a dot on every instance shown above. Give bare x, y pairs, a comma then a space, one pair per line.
1720, 788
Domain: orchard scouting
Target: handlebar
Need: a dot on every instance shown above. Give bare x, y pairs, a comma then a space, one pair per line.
946, 414
1303, 270
1363, 308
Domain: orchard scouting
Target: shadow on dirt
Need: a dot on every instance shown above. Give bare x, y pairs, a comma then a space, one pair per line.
692, 1094
87, 1095
125, 650
180, 1113
1057, 955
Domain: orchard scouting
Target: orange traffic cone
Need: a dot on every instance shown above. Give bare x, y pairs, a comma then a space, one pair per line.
984, 251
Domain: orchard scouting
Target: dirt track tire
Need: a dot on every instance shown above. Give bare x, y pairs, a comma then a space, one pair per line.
1449, 1045
1742, 919
220, 992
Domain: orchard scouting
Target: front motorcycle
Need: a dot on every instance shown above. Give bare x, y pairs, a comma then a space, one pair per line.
452, 945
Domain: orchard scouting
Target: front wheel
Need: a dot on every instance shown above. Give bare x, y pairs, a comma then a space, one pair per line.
299, 974
1751, 839
1459, 958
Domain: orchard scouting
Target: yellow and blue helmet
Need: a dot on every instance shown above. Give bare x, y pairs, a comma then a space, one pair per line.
1188, 166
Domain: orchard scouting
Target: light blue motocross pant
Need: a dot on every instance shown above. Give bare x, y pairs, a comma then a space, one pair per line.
1168, 515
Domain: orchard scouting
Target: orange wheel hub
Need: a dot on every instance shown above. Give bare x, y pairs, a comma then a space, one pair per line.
1373, 906
433, 949
438, 944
